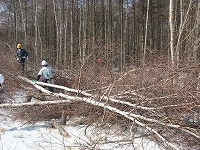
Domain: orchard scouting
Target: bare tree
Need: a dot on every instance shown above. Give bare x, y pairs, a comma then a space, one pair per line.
16, 21
57, 32
72, 35
183, 21
23, 22
81, 58
36, 33
172, 32
146, 31
196, 47
121, 34
113, 23
65, 5
85, 31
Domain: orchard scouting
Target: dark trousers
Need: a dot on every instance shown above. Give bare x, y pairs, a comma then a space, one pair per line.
22, 64
48, 81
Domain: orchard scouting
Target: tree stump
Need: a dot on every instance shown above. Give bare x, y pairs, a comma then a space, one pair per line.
62, 131
63, 118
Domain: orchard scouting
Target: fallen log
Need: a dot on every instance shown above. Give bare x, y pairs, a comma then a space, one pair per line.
6, 105
85, 94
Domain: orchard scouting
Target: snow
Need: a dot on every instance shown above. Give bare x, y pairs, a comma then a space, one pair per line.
40, 136
15, 136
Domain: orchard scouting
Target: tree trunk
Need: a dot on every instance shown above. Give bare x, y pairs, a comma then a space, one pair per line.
183, 21
15, 22
172, 32
23, 23
146, 31
57, 33
196, 47
65, 32
121, 34
45, 36
85, 8
36, 34
72, 36
60, 37
110, 32
80, 34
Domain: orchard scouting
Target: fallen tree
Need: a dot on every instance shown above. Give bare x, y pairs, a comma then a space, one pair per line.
162, 110
90, 98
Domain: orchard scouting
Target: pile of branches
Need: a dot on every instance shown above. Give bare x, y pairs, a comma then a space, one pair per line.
162, 101
9, 68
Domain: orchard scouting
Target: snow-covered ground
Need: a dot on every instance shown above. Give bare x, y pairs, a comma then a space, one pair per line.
15, 136
40, 136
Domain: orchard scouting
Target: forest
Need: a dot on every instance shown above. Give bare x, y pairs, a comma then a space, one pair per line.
124, 62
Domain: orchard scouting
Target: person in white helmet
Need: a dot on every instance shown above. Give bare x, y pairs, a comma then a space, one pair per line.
1, 79
46, 74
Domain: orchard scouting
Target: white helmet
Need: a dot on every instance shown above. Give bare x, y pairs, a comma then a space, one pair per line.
44, 63
1, 78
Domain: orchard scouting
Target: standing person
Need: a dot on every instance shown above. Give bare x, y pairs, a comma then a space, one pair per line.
21, 55
46, 74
